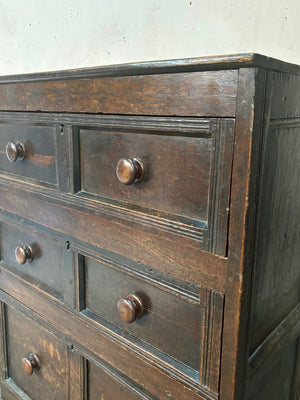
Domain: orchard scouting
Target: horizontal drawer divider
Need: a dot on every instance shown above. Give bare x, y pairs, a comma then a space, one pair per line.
189, 292
194, 265
176, 125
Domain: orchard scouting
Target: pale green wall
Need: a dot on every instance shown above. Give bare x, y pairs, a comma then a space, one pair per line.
41, 35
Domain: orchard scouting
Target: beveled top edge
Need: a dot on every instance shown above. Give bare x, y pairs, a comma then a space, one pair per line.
234, 61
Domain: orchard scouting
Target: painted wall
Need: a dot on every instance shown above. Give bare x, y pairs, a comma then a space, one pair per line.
42, 35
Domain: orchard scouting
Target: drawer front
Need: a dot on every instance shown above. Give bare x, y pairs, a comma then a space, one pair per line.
36, 360
196, 93
163, 322
34, 255
177, 170
104, 385
38, 142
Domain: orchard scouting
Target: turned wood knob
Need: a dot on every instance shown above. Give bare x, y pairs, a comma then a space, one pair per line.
23, 254
130, 170
130, 308
30, 363
15, 151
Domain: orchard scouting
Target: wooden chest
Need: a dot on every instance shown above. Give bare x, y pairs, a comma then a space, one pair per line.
149, 231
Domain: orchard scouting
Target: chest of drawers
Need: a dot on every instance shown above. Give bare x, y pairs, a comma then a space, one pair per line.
149, 231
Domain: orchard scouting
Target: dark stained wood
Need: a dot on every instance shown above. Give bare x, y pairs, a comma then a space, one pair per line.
169, 94
212, 338
169, 323
245, 174
10, 391
68, 167
276, 378
277, 276
283, 335
25, 337
47, 255
77, 375
221, 170
286, 103
168, 229
101, 342
179, 186
187, 263
296, 375
230, 61
38, 141
3, 352
102, 385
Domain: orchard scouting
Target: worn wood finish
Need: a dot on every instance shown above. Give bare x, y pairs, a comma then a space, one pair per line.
103, 343
221, 62
25, 337
204, 168
40, 156
277, 276
101, 384
184, 262
169, 323
282, 336
275, 380
170, 216
165, 178
233, 348
296, 378
212, 235
183, 94
286, 104
47, 262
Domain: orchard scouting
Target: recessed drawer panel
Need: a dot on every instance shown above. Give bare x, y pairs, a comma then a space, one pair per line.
103, 385
167, 322
162, 321
33, 255
178, 172
28, 151
37, 361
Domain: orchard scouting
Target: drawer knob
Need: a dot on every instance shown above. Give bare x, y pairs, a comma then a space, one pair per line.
15, 151
130, 170
130, 308
23, 254
30, 363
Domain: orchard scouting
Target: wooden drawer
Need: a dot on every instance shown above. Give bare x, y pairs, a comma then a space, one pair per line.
35, 256
39, 163
37, 362
103, 384
178, 170
170, 325
174, 184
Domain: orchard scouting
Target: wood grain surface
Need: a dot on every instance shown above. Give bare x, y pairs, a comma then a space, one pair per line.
210, 93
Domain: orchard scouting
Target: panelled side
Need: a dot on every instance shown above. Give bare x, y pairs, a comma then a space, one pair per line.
275, 327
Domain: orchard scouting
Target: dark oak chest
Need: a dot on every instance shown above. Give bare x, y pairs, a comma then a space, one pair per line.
149, 231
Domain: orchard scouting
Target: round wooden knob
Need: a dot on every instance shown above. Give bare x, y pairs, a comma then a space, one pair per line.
23, 254
30, 363
15, 151
130, 170
130, 308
